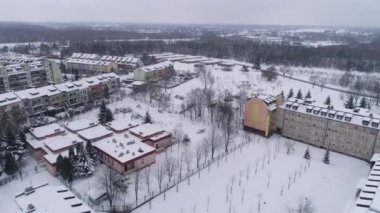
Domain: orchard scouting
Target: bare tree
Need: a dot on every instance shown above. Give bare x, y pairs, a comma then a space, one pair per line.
227, 119
187, 157
241, 99
198, 153
289, 147
136, 182
147, 172
180, 165
213, 140
178, 135
112, 183
205, 149
159, 174
303, 205
170, 166
206, 77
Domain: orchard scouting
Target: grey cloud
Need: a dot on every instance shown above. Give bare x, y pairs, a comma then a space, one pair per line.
286, 12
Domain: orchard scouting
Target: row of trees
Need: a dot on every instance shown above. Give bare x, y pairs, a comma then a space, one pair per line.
344, 57
299, 94
80, 162
351, 102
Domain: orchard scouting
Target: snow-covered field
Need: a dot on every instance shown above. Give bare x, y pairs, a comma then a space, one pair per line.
330, 187
234, 186
35, 177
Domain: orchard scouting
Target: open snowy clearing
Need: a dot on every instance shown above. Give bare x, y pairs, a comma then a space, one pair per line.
36, 176
330, 187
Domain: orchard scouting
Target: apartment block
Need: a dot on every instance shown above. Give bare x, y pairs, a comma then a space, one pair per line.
260, 113
350, 132
153, 72
22, 76
57, 98
94, 64
90, 67
40, 100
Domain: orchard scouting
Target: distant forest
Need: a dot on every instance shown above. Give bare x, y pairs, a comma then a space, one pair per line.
355, 56
18, 32
360, 57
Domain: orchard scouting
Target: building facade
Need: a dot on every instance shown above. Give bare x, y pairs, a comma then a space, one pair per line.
57, 98
260, 114
16, 77
153, 72
353, 133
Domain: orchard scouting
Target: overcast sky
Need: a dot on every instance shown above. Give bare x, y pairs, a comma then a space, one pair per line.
282, 12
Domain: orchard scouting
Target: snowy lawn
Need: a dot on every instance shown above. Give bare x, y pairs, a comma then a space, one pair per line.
279, 169
234, 186
34, 178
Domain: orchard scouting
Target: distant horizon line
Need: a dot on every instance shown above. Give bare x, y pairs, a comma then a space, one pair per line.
185, 23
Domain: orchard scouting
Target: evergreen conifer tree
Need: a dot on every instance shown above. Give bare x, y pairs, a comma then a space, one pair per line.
363, 103
307, 154
147, 118
328, 101
349, 104
105, 114
67, 170
71, 153
299, 94
11, 166
90, 151
308, 94
58, 164
291, 93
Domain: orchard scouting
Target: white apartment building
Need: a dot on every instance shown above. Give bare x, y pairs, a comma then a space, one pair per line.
16, 77
351, 132
55, 98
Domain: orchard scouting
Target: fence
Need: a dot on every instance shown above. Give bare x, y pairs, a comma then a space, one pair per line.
76, 193
19, 175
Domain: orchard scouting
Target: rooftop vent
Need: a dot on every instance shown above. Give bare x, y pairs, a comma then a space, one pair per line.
126, 135
30, 208
52, 89
114, 140
29, 190
11, 97
34, 92
69, 85
121, 154
130, 142
140, 150
74, 141
57, 130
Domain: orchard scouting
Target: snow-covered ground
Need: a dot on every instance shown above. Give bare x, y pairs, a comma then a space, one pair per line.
317, 182
33, 175
330, 187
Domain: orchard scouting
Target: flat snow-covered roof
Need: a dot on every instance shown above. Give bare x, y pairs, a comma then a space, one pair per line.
146, 130
124, 147
8, 98
81, 124
121, 125
94, 132
46, 130
62, 141
56, 199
